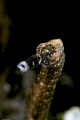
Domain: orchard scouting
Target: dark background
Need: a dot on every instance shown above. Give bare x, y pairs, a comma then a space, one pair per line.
33, 24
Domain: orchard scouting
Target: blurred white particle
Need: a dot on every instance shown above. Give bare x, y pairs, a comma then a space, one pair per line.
6, 87
72, 114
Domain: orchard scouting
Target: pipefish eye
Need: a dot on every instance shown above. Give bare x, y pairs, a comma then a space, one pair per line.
40, 47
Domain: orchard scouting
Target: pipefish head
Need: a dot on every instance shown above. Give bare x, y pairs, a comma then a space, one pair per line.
47, 54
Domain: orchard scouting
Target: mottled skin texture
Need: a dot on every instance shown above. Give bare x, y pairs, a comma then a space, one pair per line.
42, 90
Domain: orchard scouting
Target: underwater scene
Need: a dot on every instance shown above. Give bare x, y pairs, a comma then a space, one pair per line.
39, 63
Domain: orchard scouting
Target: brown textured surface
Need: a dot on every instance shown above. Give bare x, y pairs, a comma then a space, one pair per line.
41, 92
